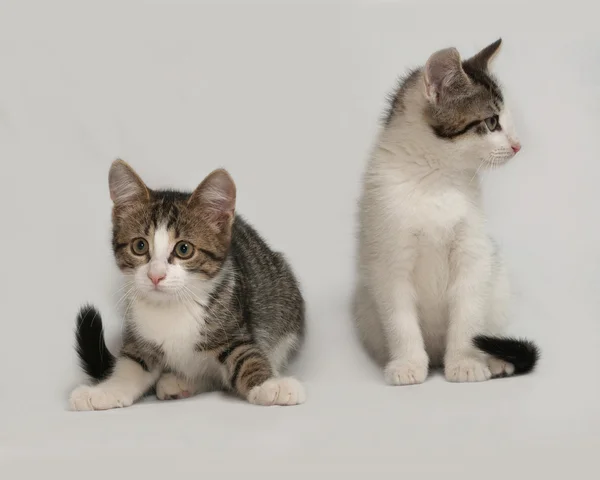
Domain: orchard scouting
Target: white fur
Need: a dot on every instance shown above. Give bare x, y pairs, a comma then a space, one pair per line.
429, 277
169, 314
160, 316
175, 327
128, 382
278, 391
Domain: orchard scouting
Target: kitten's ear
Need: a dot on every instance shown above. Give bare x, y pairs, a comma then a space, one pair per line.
125, 185
483, 59
215, 198
444, 74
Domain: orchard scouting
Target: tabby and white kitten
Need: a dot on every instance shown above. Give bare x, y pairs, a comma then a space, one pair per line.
431, 288
209, 304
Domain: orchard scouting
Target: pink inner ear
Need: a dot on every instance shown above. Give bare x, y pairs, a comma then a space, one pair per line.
443, 68
124, 184
218, 199
216, 195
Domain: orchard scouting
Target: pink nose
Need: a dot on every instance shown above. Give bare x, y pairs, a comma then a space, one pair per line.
156, 279
516, 147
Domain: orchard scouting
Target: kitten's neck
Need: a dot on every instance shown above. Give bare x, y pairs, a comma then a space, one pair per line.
402, 167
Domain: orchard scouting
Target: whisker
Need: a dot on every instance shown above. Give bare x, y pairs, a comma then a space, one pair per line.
125, 296
476, 171
124, 286
135, 296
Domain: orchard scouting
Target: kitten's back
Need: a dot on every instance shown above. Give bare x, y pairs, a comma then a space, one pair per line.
272, 303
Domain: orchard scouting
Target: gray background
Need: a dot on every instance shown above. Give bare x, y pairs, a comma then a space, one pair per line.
287, 97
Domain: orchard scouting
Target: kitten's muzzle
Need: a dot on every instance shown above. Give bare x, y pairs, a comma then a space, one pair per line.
156, 278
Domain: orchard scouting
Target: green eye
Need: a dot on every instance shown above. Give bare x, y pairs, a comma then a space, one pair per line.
184, 249
139, 246
492, 123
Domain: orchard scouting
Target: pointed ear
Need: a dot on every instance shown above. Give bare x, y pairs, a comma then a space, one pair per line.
443, 74
215, 198
125, 185
484, 58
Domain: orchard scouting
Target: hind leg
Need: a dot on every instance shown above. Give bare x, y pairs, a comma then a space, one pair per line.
172, 387
500, 368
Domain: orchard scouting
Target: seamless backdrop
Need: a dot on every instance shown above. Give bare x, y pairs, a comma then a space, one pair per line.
287, 97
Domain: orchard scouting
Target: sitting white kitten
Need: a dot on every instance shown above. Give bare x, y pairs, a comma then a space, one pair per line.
432, 289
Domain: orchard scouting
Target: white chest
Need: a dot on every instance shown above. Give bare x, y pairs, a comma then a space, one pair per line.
439, 211
176, 328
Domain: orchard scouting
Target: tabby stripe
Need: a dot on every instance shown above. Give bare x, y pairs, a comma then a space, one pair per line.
173, 214
258, 377
442, 134
211, 255
239, 353
252, 367
120, 246
216, 293
240, 362
483, 79
126, 263
154, 217
224, 355
136, 359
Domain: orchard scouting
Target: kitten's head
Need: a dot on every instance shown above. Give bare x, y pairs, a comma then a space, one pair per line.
171, 243
465, 109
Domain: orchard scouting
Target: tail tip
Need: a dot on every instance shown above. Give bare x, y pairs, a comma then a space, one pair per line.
522, 353
87, 316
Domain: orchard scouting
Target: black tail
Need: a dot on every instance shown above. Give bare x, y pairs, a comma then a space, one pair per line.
94, 357
523, 354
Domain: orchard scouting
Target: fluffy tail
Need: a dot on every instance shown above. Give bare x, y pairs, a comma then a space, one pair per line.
94, 357
523, 354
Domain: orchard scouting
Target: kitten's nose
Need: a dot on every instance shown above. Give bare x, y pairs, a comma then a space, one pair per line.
516, 147
156, 278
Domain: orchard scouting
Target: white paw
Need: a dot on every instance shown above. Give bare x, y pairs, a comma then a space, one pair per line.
467, 370
169, 387
409, 371
87, 397
278, 391
500, 368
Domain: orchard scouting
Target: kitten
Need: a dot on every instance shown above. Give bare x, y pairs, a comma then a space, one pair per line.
209, 304
432, 289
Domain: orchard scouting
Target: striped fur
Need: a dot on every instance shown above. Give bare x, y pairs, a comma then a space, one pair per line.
228, 317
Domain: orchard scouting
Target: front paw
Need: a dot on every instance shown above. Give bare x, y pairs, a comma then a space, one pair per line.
407, 371
278, 391
169, 387
467, 370
87, 397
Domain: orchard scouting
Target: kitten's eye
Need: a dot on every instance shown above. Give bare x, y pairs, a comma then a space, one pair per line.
139, 246
492, 123
184, 249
